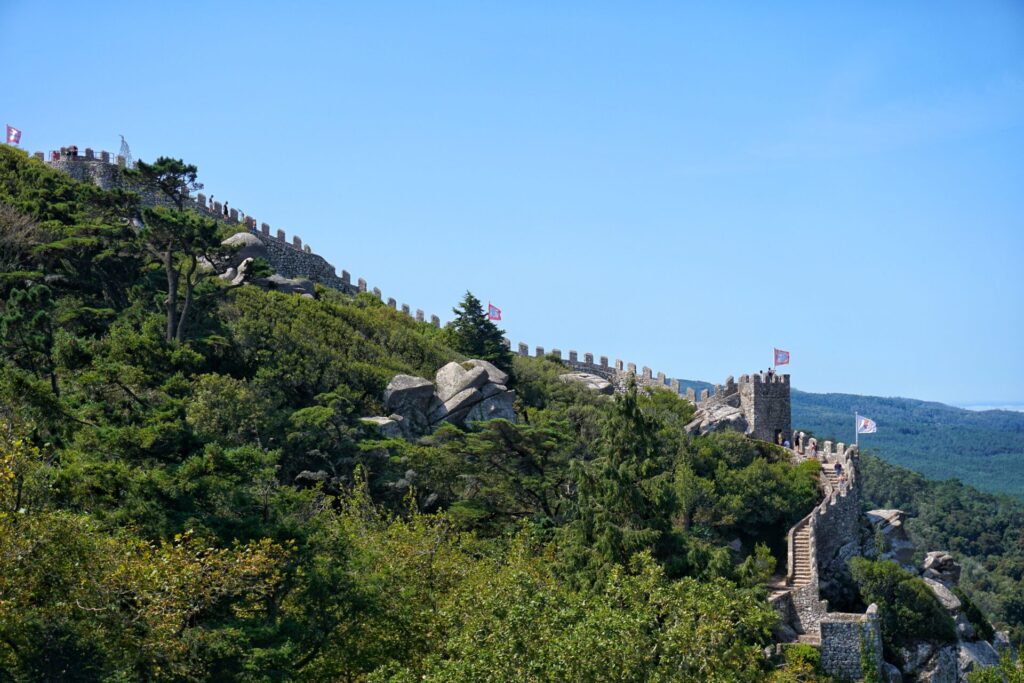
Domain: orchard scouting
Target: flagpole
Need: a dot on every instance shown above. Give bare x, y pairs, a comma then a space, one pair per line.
856, 432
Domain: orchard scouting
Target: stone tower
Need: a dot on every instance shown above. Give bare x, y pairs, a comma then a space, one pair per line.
766, 406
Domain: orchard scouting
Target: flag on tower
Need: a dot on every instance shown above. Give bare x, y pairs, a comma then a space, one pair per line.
13, 135
493, 312
781, 357
866, 425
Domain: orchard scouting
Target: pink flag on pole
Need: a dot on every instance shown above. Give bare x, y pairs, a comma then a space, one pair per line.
781, 357
493, 312
13, 135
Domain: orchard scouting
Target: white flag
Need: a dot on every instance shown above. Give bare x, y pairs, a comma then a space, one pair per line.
866, 425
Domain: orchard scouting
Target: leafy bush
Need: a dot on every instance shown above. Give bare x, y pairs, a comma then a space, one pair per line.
908, 608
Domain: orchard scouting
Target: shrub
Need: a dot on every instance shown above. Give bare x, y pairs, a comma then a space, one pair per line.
908, 608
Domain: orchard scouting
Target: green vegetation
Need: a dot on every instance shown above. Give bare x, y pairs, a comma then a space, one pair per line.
472, 333
984, 449
801, 663
187, 491
986, 532
981, 625
1008, 671
908, 609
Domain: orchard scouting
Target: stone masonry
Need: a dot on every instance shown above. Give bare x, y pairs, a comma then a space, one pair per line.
824, 538
289, 258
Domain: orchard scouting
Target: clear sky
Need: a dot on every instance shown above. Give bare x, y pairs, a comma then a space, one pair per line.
683, 186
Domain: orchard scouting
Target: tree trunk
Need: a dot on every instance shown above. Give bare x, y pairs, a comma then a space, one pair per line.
190, 285
172, 293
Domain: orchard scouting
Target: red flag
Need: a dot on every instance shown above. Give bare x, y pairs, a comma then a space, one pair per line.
781, 357
13, 135
493, 312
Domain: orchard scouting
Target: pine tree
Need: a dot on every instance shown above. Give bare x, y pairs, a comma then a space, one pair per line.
473, 334
622, 498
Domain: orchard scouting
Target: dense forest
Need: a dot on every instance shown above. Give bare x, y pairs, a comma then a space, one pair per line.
187, 491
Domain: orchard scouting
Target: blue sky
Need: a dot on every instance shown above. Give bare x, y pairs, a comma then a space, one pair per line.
679, 185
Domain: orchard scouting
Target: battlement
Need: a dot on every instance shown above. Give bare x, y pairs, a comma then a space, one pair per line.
616, 373
289, 257
764, 379
87, 166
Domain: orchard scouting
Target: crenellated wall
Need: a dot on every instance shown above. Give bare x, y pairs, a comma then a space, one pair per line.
835, 521
616, 374
290, 258
831, 525
848, 641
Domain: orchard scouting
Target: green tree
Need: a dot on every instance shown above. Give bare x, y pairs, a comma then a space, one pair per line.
172, 178
27, 332
185, 244
623, 499
19, 233
473, 334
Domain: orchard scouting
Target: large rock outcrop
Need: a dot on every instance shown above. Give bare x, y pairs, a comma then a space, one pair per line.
939, 565
589, 381
890, 526
245, 245
461, 393
245, 248
930, 662
718, 417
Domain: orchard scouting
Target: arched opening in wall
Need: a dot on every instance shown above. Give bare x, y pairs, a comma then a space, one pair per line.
778, 436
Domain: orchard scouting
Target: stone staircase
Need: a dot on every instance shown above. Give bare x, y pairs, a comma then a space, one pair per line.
828, 473
802, 556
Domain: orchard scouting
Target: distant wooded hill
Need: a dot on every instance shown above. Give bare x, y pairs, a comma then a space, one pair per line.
981, 448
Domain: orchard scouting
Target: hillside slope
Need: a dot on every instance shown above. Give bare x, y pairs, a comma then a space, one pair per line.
984, 449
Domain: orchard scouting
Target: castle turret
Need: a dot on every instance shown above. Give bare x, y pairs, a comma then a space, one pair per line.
766, 406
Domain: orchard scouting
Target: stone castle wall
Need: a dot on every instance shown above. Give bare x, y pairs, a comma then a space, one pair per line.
616, 373
834, 524
848, 641
836, 521
289, 258
768, 407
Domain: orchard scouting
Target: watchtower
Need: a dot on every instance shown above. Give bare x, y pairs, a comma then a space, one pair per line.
766, 406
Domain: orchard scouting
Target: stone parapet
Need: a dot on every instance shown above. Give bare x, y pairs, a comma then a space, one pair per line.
290, 258
849, 642
617, 374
